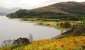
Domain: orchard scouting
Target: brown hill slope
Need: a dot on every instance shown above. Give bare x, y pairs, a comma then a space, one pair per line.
55, 10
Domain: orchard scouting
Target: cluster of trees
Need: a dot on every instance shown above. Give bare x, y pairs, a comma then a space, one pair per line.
65, 25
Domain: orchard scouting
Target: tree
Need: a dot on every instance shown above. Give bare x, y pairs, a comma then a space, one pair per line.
65, 25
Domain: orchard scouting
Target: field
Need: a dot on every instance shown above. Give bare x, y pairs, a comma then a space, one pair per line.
60, 44
70, 43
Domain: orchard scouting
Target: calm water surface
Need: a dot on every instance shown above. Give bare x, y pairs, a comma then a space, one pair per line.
15, 28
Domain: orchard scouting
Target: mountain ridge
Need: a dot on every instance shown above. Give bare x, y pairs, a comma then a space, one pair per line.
52, 11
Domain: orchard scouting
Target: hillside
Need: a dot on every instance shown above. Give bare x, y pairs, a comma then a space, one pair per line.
58, 10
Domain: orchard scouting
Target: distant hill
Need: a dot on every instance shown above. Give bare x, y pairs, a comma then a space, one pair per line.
58, 10
5, 11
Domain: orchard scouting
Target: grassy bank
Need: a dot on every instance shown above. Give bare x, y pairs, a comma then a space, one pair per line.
70, 43
56, 23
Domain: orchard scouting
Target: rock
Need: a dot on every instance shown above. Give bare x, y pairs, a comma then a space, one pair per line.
21, 41
7, 43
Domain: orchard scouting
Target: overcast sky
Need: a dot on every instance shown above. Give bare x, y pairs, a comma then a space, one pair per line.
29, 4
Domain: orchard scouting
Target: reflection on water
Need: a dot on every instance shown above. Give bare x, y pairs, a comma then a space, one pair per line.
14, 28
